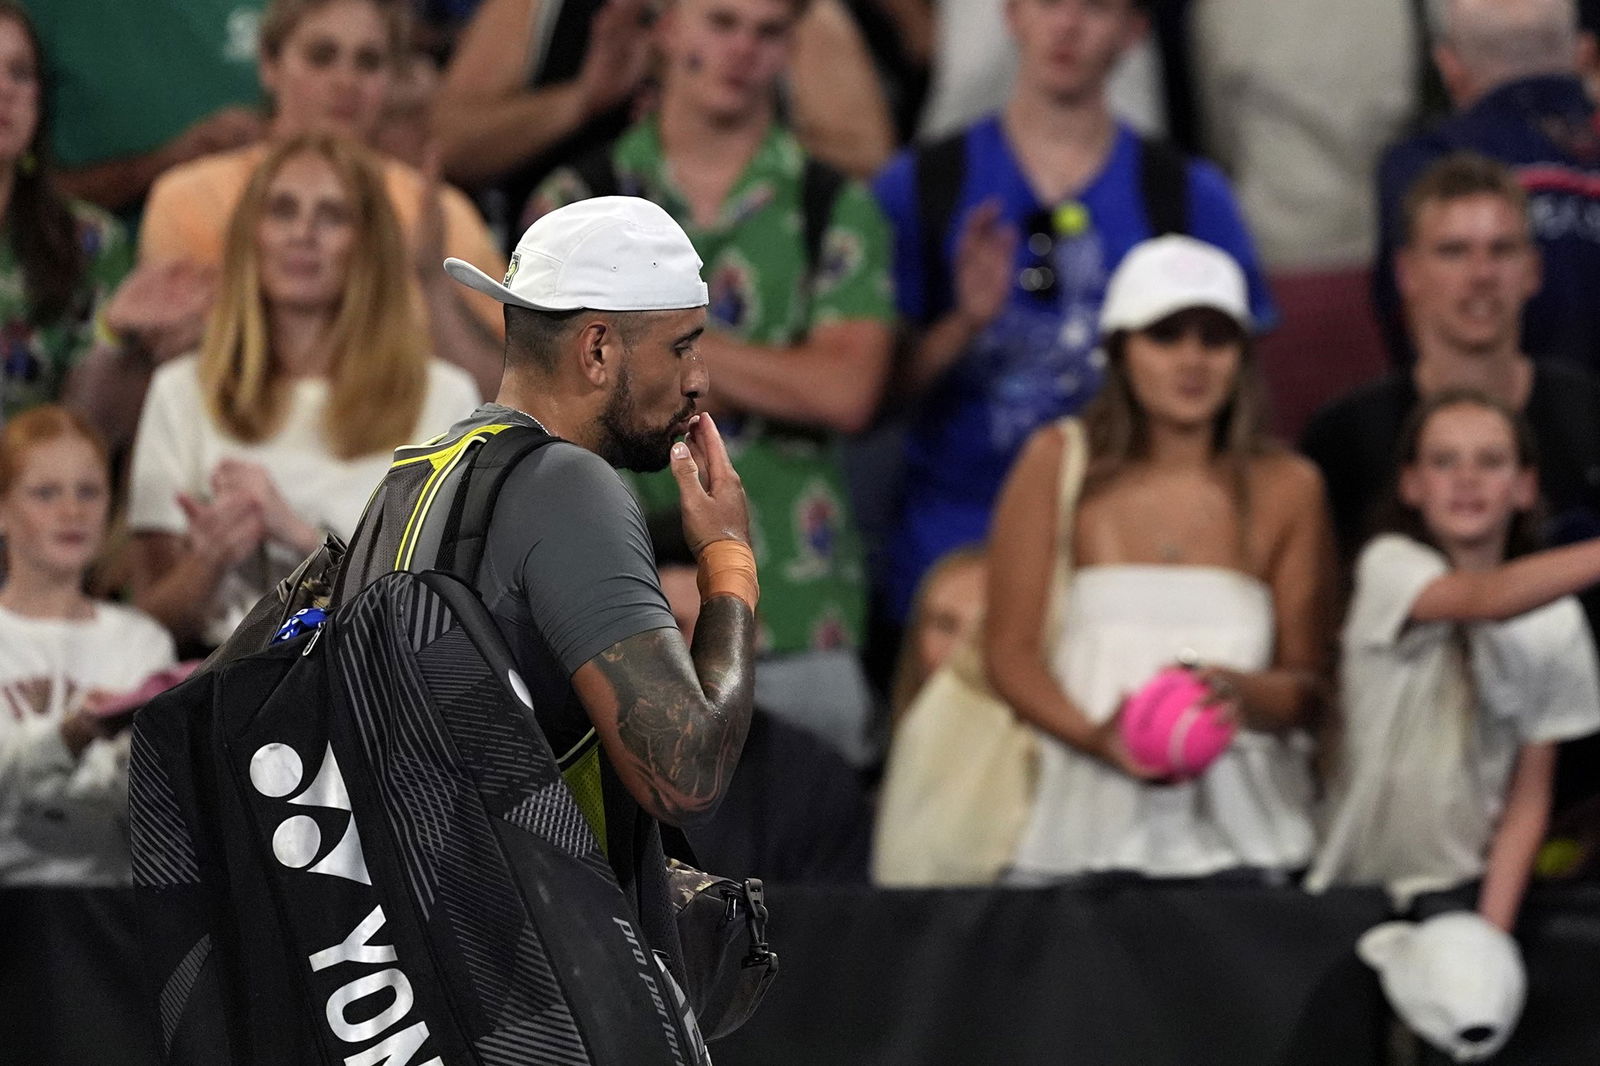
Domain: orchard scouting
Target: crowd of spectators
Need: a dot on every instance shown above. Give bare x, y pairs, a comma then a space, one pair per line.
931, 230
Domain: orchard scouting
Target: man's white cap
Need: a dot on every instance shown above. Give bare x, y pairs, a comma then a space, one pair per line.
1165, 275
1456, 979
609, 253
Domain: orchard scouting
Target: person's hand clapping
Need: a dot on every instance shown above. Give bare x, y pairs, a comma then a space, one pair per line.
225, 530
618, 55
223, 130
162, 307
985, 255
712, 496
236, 478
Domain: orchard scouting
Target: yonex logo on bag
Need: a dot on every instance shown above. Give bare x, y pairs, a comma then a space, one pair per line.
276, 772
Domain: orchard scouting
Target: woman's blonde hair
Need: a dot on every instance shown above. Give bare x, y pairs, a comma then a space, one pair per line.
379, 367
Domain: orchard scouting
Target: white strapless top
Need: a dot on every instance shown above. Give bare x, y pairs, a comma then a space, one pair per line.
1251, 808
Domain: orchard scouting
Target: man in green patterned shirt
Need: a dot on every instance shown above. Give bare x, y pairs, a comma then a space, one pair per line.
799, 337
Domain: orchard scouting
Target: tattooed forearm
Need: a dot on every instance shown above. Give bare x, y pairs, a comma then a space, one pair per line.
681, 717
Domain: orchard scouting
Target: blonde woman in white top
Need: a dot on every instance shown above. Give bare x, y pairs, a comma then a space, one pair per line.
1194, 537
313, 369
63, 769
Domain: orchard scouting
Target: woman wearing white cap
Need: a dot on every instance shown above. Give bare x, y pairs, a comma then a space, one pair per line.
1194, 539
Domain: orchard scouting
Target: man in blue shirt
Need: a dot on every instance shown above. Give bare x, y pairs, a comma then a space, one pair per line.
1510, 68
1005, 235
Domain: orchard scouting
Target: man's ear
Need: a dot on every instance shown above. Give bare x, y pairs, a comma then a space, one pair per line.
1408, 486
1525, 493
1453, 73
1404, 278
598, 351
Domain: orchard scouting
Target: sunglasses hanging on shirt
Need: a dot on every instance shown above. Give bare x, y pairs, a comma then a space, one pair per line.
1046, 227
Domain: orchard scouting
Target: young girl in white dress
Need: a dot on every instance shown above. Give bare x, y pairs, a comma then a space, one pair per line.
1460, 672
63, 770
1194, 538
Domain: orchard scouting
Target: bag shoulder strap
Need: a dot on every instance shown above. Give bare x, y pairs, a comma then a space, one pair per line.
1163, 186
940, 172
819, 188
1074, 465
467, 527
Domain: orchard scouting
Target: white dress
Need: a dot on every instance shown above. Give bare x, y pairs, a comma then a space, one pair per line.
1251, 808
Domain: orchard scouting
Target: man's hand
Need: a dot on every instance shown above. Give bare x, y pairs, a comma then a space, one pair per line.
618, 55
428, 240
985, 255
162, 307
220, 131
712, 496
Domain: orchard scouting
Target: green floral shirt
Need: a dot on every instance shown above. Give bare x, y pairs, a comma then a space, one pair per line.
35, 359
813, 579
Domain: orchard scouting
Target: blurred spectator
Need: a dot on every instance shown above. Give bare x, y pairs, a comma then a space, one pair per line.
796, 258
1466, 267
1460, 670
1004, 236
140, 88
794, 811
312, 370
538, 83
59, 259
1195, 539
1511, 70
975, 68
63, 768
946, 611
330, 66
1298, 120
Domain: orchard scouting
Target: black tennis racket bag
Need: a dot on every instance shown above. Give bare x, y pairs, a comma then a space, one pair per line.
356, 847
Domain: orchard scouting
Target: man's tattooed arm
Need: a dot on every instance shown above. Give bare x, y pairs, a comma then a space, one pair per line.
674, 721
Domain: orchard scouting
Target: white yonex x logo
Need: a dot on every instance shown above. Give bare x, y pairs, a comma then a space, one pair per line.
276, 771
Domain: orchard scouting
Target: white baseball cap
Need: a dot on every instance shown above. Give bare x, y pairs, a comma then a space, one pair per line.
1165, 275
609, 253
1456, 979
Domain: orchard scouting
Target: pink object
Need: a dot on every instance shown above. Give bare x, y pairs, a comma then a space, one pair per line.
124, 703
1169, 726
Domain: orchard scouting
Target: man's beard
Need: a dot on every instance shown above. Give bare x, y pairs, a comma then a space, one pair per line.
626, 446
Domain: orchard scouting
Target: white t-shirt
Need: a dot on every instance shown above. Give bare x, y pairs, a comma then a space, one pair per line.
1301, 118
1429, 747
178, 446
64, 821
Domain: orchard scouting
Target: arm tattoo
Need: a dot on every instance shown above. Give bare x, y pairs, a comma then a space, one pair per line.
683, 723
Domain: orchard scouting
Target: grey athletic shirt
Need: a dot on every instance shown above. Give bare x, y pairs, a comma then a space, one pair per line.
568, 570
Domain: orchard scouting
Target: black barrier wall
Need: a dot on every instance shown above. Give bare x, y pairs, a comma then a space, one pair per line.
1149, 975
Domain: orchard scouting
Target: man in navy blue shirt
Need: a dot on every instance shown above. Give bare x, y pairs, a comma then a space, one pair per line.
1510, 68
1005, 235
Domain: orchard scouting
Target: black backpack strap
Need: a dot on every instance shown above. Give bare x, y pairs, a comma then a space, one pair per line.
598, 173
1163, 187
940, 171
819, 188
467, 526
